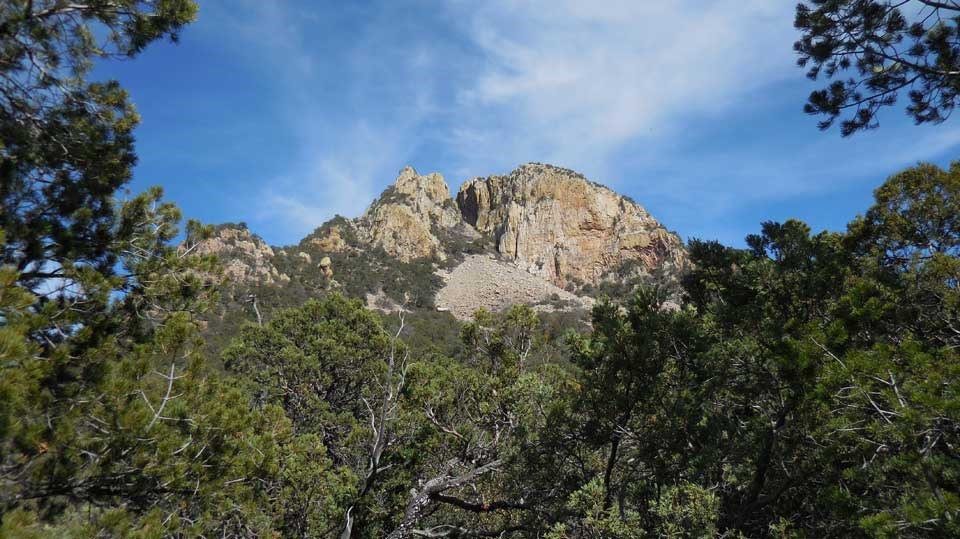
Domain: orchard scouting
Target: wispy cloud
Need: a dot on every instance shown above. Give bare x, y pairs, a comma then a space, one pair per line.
340, 177
679, 104
573, 80
352, 106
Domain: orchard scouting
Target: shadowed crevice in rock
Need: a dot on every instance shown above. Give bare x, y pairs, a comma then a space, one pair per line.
468, 201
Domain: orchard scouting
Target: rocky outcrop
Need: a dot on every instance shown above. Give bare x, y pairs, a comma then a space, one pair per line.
245, 257
556, 224
428, 197
411, 216
330, 241
326, 267
338, 235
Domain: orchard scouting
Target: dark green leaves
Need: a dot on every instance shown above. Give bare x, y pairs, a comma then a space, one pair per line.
874, 52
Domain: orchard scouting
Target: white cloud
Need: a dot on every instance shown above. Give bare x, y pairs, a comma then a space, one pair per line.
620, 90
562, 81
578, 79
340, 177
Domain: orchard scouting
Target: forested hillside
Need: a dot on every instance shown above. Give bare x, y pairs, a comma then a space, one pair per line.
807, 385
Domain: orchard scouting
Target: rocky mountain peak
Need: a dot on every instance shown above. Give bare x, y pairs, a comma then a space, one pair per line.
564, 228
430, 186
427, 195
408, 217
539, 235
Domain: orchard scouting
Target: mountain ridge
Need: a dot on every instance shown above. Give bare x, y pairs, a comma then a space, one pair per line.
418, 242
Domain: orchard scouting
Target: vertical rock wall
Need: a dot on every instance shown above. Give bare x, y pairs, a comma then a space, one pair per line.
562, 227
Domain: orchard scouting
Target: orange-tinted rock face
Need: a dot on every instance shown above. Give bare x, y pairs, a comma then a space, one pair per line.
556, 224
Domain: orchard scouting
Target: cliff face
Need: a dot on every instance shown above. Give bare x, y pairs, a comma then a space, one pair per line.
556, 224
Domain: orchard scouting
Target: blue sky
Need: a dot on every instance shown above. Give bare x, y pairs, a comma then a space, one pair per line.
283, 113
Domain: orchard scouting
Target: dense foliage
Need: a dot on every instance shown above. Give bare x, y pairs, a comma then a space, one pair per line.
806, 386
108, 424
876, 49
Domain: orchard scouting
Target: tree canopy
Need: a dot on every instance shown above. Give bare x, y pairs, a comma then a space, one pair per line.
803, 386
876, 50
